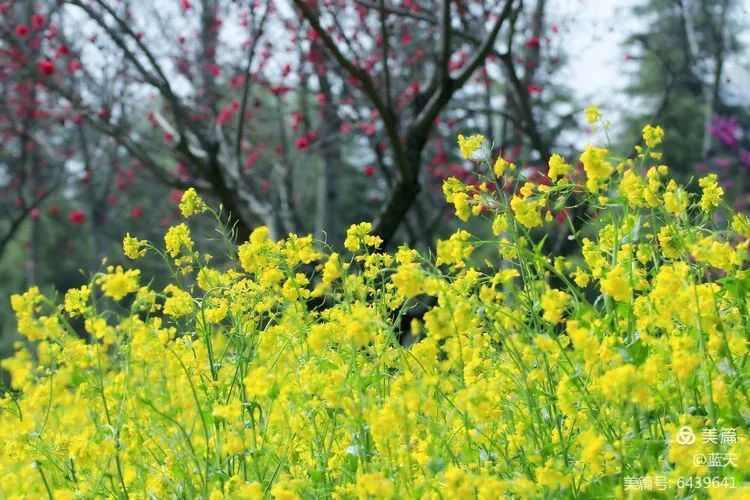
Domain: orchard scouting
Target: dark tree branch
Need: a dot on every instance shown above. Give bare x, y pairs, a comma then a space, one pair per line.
389, 119
246, 88
17, 222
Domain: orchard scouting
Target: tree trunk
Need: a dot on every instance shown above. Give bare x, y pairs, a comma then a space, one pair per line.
327, 222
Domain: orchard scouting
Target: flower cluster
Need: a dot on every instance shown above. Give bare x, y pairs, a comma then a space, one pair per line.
284, 372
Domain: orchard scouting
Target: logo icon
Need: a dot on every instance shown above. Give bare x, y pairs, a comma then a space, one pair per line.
685, 436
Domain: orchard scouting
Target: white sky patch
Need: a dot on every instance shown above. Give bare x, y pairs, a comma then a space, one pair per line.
595, 32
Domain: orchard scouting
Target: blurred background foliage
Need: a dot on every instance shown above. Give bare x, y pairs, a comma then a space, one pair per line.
286, 114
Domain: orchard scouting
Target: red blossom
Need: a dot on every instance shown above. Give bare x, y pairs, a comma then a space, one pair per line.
296, 120
534, 89
182, 170
22, 30
367, 128
175, 196
74, 65
561, 216
77, 217
369, 171
46, 67
237, 82
302, 142
224, 116
37, 21
137, 212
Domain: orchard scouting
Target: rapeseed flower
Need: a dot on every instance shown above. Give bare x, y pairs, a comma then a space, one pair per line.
522, 378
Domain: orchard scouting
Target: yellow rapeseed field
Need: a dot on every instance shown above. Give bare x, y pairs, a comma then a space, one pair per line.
619, 370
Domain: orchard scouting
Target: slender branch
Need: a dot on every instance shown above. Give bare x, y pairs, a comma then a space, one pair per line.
385, 54
441, 95
445, 42
399, 11
486, 46
368, 86
246, 89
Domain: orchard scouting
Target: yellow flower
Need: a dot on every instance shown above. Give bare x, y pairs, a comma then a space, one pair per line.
557, 167
470, 145
26, 303
254, 370
281, 491
632, 187
553, 304
499, 225
374, 485
527, 211
623, 384
191, 203
675, 200
455, 193
133, 248
177, 238
741, 225
259, 235
455, 251
591, 452
592, 114
258, 382
616, 284
408, 279
597, 167
179, 302
118, 283
670, 242
99, 328
208, 278
580, 277
230, 411
501, 165
76, 300
216, 311
331, 269
552, 478
715, 253
652, 136
250, 491
712, 193
358, 234
593, 256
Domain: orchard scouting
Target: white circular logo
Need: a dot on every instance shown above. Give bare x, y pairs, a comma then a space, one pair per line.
685, 436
